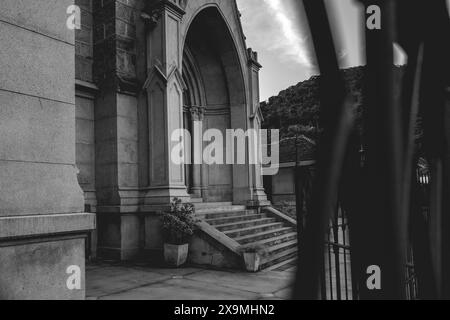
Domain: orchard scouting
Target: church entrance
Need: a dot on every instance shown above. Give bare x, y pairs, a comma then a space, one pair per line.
210, 64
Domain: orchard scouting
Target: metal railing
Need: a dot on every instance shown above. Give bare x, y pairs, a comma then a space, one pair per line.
380, 212
336, 279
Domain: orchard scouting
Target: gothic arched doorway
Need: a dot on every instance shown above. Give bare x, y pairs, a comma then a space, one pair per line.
215, 97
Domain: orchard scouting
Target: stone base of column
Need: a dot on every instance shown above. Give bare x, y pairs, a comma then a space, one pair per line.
259, 199
241, 196
160, 198
119, 236
154, 242
36, 253
196, 192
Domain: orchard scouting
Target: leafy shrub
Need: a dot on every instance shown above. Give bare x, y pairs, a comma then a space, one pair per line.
179, 223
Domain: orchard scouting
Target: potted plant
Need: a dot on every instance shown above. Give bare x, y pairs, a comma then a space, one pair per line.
252, 256
178, 227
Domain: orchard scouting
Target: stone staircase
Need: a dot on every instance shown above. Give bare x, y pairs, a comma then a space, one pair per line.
236, 226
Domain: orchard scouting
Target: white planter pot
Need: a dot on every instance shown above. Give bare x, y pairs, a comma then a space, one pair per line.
174, 255
252, 261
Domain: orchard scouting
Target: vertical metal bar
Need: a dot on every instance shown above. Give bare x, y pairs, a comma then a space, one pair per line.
323, 279
412, 110
337, 123
330, 266
344, 227
433, 23
383, 133
436, 223
421, 243
337, 260
412, 116
298, 186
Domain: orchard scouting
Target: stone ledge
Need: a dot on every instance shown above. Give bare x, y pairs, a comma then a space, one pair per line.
221, 238
280, 215
27, 226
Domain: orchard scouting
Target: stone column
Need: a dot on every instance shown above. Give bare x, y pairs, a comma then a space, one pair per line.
197, 117
259, 197
116, 129
164, 86
42, 224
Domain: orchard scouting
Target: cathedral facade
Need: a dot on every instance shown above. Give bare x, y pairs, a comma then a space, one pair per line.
87, 123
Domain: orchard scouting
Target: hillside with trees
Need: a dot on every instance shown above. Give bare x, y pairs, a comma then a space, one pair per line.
296, 113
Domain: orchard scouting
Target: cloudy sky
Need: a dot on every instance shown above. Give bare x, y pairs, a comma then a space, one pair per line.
280, 34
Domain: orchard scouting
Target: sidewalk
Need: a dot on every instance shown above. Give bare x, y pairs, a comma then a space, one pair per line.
107, 281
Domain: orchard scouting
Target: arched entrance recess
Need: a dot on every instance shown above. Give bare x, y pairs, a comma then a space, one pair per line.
215, 97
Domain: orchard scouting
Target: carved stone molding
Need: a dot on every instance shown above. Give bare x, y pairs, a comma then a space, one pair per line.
156, 72
151, 18
154, 8
197, 113
253, 59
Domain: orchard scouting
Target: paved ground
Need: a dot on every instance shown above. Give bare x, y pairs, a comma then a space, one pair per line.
109, 281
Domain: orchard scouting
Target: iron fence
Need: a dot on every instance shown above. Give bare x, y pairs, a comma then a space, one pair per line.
381, 213
336, 279
412, 288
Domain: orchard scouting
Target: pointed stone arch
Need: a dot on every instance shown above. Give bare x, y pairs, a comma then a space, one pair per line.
215, 79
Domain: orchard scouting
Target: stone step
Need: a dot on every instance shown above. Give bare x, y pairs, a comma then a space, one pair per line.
270, 234
280, 261
281, 264
217, 215
252, 230
196, 201
219, 209
204, 205
225, 220
249, 227
245, 224
273, 241
274, 250
278, 257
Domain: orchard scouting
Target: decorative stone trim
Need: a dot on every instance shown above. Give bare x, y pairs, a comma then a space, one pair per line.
27, 226
197, 113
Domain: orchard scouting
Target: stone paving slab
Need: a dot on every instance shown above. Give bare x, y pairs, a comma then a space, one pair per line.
109, 280
182, 289
256, 283
137, 282
284, 294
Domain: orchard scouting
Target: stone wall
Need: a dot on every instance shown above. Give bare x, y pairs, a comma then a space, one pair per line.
281, 187
116, 126
42, 224
84, 42
123, 126
85, 102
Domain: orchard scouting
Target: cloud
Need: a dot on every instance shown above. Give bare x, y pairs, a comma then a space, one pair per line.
292, 43
274, 25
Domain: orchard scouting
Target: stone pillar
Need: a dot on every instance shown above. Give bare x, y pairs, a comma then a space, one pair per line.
116, 129
164, 86
197, 117
259, 197
42, 224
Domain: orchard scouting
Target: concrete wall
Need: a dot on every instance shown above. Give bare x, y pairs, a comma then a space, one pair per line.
86, 92
280, 188
84, 45
283, 188
42, 224
116, 127
85, 148
85, 102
